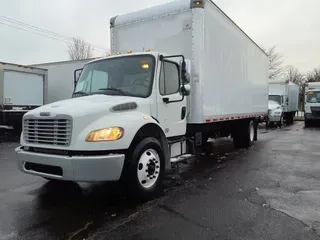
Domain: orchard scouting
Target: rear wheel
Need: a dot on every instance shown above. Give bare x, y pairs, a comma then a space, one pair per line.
244, 137
144, 169
307, 123
289, 118
280, 123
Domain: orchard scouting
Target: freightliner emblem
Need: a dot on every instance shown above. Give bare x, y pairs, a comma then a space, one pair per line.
45, 114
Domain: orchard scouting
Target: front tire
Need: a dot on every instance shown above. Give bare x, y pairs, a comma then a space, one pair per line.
144, 169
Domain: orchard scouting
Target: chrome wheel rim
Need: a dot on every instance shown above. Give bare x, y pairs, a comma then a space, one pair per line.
148, 169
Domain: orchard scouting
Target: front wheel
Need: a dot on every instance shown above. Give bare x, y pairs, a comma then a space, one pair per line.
144, 169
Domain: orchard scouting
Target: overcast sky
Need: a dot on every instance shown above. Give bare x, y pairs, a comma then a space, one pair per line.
292, 25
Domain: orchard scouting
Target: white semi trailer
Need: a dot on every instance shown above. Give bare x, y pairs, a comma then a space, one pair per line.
22, 89
179, 73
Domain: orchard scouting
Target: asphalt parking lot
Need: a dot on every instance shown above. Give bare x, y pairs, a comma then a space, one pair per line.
270, 191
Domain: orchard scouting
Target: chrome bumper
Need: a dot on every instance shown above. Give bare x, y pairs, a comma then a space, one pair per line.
274, 118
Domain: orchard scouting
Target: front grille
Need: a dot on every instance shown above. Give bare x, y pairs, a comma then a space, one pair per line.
48, 131
315, 111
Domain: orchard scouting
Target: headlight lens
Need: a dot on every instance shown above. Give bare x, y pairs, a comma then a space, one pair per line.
106, 134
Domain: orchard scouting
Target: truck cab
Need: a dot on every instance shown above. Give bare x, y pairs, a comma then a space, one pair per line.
125, 105
275, 110
312, 103
286, 94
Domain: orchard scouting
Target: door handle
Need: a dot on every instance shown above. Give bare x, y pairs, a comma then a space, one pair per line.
165, 100
183, 112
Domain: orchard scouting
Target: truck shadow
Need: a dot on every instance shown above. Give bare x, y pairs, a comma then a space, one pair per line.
313, 125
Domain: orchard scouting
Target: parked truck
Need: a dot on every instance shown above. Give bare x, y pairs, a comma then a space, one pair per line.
312, 103
285, 94
60, 78
22, 89
179, 73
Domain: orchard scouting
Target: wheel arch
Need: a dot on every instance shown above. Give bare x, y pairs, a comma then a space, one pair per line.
153, 130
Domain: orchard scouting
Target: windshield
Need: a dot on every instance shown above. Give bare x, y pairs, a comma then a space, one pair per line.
275, 98
313, 97
127, 76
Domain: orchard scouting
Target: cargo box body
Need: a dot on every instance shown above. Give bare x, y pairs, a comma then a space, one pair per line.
229, 72
289, 91
22, 88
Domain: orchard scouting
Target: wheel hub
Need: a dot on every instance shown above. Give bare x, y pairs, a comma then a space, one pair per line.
148, 168
151, 167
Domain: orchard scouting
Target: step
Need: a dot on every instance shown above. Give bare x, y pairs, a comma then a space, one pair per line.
181, 158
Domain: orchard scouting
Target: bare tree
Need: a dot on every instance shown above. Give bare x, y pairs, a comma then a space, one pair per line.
276, 60
79, 49
314, 75
293, 75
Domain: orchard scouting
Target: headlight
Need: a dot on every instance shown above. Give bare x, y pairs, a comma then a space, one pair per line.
106, 134
277, 113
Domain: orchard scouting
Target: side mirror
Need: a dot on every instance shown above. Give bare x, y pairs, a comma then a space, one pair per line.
76, 76
184, 73
186, 89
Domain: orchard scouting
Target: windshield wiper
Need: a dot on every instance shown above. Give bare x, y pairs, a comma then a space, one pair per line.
114, 89
80, 92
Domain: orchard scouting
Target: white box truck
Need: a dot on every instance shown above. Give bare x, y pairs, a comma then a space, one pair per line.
22, 89
60, 78
312, 103
179, 73
286, 94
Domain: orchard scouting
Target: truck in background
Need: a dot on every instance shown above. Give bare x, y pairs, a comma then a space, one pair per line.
60, 78
175, 78
22, 88
286, 94
311, 103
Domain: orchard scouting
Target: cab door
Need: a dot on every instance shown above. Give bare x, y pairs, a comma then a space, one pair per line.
172, 109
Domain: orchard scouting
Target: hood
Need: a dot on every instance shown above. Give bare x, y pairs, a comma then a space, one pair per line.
273, 105
92, 105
